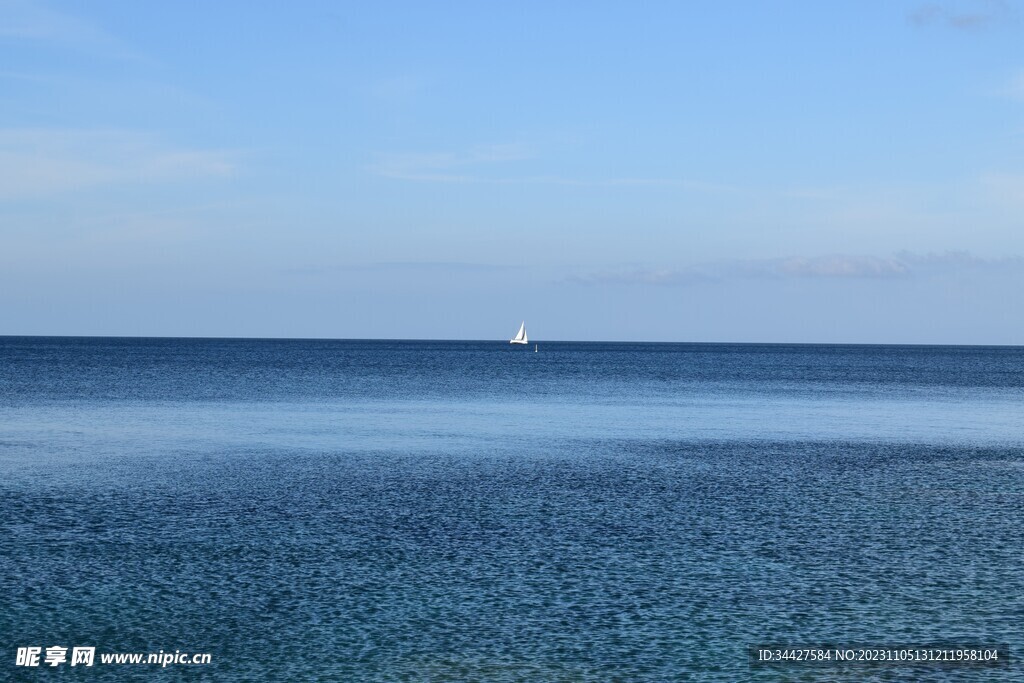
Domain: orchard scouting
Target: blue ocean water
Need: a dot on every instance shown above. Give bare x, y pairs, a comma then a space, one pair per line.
435, 511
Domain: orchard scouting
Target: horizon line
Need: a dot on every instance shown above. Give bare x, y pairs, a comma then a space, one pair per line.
502, 341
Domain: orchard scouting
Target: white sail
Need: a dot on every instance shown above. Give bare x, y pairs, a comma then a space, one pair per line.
520, 338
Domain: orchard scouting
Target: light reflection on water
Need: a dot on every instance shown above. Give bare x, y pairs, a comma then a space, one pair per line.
427, 425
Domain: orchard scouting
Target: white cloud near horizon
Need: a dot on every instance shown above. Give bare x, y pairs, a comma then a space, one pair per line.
837, 265
830, 266
39, 162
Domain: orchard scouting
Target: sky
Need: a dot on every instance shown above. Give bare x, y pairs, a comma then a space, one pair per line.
834, 172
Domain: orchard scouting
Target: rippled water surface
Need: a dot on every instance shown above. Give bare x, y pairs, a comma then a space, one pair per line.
379, 511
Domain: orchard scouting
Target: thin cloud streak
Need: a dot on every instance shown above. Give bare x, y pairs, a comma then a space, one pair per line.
958, 260
31, 21
472, 167
832, 266
446, 166
21, 20
669, 277
1014, 87
837, 266
41, 162
406, 266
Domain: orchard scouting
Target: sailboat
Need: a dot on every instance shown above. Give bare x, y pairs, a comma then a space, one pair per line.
520, 338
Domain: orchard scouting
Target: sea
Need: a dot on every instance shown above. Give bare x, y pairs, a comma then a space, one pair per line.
344, 510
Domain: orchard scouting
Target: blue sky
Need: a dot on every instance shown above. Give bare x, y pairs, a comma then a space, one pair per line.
699, 171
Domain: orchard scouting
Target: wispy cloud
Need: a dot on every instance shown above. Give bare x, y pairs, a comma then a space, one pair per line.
957, 260
449, 166
1012, 87
484, 164
673, 277
41, 162
26, 20
830, 266
407, 266
399, 89
835, 265
964, 16
1006, 189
